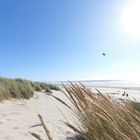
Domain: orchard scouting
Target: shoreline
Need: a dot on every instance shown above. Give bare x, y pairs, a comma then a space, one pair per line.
116, 87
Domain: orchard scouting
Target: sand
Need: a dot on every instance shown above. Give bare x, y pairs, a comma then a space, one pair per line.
18, 117
131, 93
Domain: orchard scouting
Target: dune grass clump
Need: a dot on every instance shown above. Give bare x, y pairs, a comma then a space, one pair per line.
48, 90
100, 117
38, 86
21, 88
46, 86
10, 88
4, 93
53, 87
25, 88
43, 85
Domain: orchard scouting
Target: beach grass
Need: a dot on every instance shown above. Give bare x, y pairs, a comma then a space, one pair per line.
21, 88
136, 105
10, 88
39, 86
101, 117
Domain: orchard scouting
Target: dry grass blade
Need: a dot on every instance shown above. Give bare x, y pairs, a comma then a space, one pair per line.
45, 128
73, 128
60, 100
71, 90
36, 136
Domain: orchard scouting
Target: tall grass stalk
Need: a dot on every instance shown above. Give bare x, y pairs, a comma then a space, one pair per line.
100, 116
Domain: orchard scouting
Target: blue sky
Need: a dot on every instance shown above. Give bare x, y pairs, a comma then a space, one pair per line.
50, 40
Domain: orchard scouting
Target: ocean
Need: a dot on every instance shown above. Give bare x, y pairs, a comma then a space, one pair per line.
108, 83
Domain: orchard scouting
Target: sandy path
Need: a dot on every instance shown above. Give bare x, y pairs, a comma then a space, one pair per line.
18, 117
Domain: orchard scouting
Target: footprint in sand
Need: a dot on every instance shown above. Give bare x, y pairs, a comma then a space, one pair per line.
3, 115
8, 119
15, 128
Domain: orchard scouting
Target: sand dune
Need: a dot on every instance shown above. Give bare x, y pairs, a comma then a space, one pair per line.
18, 117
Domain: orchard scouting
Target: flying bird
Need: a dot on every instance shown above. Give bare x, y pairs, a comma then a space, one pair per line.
103, 54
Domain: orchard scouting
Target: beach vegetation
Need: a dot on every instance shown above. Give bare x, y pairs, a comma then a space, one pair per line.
11, 88
99, 116
21, 88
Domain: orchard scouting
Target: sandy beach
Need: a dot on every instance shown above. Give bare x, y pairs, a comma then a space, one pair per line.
121, 93
19, 117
